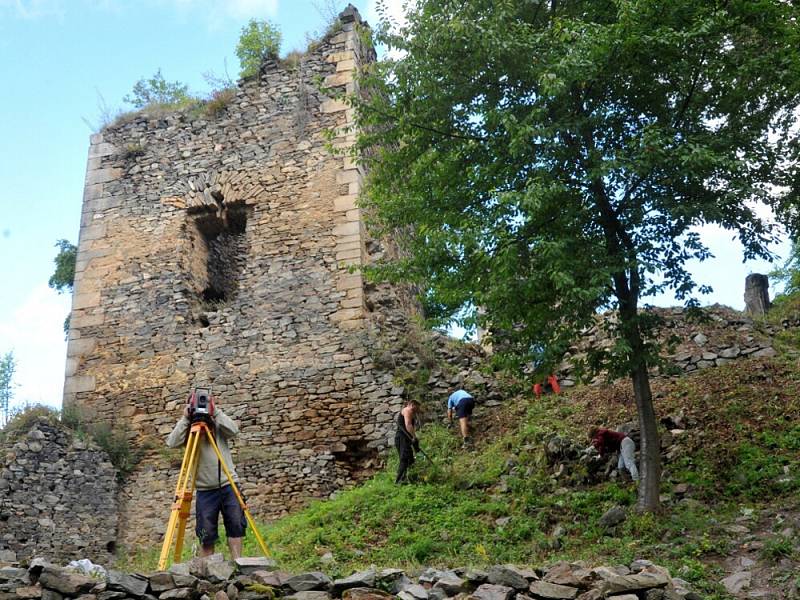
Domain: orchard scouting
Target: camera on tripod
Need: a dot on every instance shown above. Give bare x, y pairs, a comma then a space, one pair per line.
201, 405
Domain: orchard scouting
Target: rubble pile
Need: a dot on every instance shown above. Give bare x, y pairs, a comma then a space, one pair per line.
259, 579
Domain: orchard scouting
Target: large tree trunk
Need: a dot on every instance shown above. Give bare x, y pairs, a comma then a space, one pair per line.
650, 445
650, 451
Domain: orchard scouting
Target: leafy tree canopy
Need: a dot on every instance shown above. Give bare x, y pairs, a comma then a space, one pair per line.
258, 41
545, 160
789, 272
64, 276
156, 90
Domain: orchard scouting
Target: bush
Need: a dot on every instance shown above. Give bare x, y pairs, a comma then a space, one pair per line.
258, 41
23, 419
156, 91
218, 101
114, 440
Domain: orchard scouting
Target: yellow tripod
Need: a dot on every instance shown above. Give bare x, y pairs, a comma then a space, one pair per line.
185, 489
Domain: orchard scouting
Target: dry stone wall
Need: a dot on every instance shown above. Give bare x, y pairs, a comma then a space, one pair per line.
216, 249
57, 497
694, 340
259, 579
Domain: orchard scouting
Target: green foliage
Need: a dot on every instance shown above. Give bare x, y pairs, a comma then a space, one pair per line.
156, 91
113, 439
788, 274
7, 367
21, 420
133, 150
448, 517
777, 548
261, 589
542, 189
258, 41
564, 162
64, 276
218, 101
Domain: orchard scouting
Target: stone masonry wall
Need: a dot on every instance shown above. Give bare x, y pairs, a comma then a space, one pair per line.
714, 336
217, 250
57, 497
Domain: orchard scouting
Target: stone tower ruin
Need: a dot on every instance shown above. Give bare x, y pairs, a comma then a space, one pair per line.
216, 248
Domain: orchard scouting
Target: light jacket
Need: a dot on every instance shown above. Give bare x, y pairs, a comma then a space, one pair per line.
210, 474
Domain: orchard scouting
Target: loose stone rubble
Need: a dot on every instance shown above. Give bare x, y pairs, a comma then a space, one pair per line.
713, 337
260, 579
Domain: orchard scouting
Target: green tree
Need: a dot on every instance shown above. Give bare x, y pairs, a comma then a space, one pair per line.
63, 279
547, 160
789, 273
156, 90
7, 367
64, 276
258, 41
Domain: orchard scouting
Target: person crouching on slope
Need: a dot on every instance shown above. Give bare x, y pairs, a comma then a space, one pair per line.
607, 442
405, 440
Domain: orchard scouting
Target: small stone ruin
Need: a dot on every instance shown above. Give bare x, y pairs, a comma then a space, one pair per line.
58, 497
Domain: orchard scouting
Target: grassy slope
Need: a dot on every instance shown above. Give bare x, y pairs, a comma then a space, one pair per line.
745, 430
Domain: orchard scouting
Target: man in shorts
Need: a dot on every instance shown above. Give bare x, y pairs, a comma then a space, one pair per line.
460, 403
214, 492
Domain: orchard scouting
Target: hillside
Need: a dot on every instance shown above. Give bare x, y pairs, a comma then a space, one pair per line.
523, 495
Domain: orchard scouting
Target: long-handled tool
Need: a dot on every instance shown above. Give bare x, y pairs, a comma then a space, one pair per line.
182, 504
421, 451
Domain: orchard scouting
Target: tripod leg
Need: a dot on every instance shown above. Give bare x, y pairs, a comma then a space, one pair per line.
247, 514
186, 500
182, 501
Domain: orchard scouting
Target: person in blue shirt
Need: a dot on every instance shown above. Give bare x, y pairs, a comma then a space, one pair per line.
460, 403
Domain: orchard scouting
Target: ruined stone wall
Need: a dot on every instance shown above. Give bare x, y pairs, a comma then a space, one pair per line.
216, 249
57, 497
692, 340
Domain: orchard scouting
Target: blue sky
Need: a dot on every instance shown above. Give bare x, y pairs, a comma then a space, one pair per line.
58, 60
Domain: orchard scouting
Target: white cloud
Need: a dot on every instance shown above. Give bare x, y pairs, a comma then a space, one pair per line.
34, 332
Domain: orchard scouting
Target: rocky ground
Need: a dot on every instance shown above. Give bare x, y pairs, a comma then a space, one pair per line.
259, 579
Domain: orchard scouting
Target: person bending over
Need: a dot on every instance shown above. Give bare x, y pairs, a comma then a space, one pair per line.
608, 441
460, 403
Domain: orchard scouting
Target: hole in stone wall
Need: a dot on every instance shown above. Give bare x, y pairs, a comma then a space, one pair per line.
111, 547
219, 251
357, 458
204, 320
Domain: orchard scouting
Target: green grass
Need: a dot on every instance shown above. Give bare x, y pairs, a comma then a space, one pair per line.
745, 430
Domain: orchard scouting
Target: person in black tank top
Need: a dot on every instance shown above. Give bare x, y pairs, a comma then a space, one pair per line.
405, 440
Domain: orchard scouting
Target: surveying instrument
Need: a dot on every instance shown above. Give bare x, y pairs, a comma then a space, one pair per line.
201, 414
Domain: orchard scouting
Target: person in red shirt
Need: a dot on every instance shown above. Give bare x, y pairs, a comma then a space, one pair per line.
550, 385
608, 441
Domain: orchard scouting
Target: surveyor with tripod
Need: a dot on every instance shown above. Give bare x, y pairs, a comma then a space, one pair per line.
214, 491
405, 440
